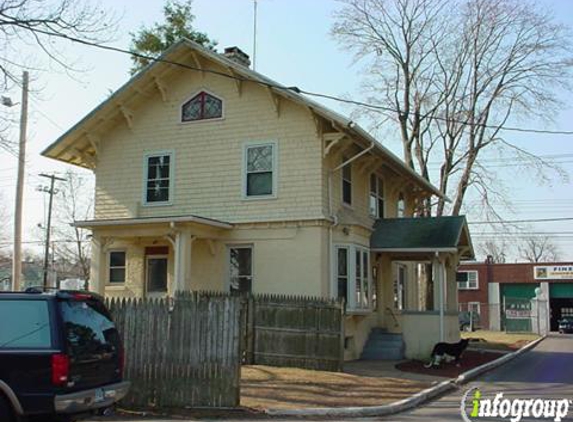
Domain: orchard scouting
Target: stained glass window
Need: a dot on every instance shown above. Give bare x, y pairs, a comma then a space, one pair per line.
201, 107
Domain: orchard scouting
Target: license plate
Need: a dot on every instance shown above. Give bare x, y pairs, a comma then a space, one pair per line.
99, 395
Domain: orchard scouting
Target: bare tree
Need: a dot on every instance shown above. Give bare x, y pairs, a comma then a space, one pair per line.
33, 36
497, 250
452, 75
74, 203
538, 249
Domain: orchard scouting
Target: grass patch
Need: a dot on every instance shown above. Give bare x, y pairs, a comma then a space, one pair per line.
499, 340
287, 388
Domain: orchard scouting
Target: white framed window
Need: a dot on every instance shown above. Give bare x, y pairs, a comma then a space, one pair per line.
376, 202
346, 182
401, 206
117, 265
240, 268
474, 308
467, 280
202, 106
352, 277
158, 178
260, 170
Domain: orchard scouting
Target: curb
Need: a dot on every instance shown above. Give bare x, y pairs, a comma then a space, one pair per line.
410, 402
473, 373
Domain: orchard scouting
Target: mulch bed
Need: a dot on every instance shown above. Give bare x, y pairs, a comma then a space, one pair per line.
469, 360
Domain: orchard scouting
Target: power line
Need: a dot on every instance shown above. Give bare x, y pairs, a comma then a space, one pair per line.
537, 220
268, 84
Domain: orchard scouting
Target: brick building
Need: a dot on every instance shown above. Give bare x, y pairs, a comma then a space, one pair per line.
487, 289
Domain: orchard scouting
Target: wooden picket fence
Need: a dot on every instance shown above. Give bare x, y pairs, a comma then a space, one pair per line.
293, 331
181, 352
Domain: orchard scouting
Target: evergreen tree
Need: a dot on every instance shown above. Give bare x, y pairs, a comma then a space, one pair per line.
178, 23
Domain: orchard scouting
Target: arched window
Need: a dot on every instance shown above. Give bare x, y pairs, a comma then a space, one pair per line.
202, 106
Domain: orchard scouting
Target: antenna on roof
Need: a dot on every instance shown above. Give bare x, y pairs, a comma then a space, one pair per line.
255, 34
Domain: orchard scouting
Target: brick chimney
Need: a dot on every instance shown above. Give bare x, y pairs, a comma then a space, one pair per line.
237, 55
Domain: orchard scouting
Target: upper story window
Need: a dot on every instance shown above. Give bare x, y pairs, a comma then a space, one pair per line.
260, 170
346, 183
376, 196
202, 106
158, 178
467, 280
401, 206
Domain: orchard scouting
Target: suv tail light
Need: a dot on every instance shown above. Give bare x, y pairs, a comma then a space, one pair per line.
60, 369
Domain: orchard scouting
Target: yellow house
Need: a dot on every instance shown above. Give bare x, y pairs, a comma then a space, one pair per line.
210, 176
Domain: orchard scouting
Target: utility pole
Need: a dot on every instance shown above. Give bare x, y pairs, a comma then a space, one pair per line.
51, 191
17, 259
255, 35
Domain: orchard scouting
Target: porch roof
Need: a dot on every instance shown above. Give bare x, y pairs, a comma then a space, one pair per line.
422, 234
88, 224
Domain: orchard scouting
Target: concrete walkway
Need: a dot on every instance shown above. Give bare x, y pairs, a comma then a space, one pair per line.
386, 369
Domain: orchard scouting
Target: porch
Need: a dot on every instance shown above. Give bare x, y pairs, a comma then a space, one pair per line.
416, 261
155, 257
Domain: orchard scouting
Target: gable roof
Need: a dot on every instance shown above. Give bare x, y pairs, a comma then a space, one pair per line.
422, 234
64, 148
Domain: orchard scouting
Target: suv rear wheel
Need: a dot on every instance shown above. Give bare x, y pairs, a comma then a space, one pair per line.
6, 412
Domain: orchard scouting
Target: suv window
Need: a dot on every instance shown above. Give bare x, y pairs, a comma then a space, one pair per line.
89, 328
25, 324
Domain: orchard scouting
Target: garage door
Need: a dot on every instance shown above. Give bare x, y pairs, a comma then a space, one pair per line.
516, 315
519, 290
561, 290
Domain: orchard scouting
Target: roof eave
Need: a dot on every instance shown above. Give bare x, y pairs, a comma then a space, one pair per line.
416, 250
47, 152
90, 224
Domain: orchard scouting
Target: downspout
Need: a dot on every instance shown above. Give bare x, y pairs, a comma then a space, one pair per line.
333, 217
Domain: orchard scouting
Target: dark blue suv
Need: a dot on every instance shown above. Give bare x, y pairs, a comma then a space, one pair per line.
60, 356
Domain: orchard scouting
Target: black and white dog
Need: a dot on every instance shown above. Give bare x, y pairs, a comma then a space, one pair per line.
448, 352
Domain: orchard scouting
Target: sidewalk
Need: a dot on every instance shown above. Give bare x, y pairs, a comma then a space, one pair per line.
387, 369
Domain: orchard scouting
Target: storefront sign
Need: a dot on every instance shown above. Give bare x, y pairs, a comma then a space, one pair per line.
546, 272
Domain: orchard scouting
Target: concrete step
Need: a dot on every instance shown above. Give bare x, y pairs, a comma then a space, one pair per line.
376, 346
382, 340
390, 354
382, 345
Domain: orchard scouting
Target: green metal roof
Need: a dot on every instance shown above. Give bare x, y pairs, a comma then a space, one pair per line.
422, 234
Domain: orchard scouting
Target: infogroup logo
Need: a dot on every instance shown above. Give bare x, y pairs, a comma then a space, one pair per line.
512, 409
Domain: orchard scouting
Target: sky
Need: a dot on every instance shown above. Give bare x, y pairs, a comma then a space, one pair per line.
294, 48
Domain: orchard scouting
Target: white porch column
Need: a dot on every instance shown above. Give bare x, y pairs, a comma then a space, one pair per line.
438, 276
182, 266
97, 267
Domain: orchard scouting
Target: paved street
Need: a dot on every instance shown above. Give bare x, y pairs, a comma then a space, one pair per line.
544, 372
